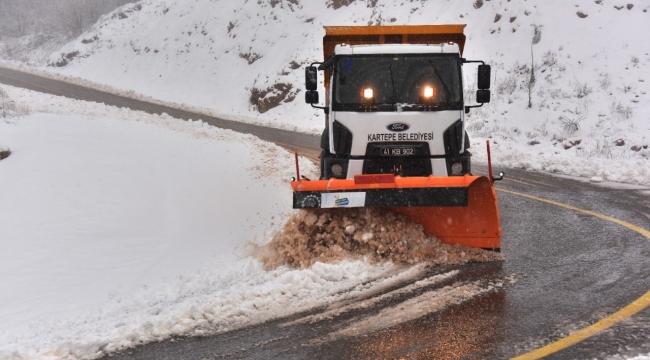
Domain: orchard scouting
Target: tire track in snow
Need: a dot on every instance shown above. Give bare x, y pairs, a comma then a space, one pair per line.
412, 309
338, 309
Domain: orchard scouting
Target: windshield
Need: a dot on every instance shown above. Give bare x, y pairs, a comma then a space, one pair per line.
397, 82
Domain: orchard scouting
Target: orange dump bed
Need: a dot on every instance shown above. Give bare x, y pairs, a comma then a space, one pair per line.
392, 34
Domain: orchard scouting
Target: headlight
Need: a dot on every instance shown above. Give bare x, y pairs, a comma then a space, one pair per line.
457, 168
429, 92
368, 93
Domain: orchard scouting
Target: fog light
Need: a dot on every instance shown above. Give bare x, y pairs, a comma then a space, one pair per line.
368, 94
457, 168
337, 169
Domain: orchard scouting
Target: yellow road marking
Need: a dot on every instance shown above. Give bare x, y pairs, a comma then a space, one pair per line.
611, 320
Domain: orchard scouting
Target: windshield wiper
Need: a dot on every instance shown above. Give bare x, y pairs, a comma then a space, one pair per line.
444, 85
392, 81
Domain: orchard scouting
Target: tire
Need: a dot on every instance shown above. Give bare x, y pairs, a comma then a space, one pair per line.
323, 155
325, 140
325, 150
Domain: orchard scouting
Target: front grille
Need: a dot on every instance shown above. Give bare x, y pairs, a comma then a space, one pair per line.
408, 167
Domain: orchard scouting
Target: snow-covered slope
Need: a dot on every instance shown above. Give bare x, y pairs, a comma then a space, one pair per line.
590, 103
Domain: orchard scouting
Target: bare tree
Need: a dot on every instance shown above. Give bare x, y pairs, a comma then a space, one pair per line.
532, 80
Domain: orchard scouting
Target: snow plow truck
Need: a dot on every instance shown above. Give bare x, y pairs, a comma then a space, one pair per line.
395, 134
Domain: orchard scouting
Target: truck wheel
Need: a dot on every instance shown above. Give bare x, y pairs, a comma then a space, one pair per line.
323, 155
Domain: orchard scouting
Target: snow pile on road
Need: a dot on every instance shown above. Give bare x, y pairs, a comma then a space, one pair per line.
120, 228
311, 236
582, 72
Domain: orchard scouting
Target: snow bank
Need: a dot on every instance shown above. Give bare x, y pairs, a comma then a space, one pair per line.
109, 214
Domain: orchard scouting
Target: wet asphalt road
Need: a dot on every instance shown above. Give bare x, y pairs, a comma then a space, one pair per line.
570, 270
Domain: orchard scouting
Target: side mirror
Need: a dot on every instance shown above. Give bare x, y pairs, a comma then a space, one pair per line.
311, 78
482, 96
311, 97
484, 72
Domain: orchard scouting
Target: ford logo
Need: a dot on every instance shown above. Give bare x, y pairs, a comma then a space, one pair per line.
397, 127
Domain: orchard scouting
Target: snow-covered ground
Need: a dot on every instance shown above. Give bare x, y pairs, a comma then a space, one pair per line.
120, 227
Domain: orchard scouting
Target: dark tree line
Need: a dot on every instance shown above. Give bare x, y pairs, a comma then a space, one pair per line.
67, 18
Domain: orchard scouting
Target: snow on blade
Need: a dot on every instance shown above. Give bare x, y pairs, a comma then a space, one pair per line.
324, 235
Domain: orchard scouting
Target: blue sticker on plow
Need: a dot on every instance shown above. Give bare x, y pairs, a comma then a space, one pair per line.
343, 199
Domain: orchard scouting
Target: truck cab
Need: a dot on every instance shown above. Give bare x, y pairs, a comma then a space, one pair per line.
394, 101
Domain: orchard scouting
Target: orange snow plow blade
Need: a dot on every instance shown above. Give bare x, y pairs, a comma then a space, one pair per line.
456, 209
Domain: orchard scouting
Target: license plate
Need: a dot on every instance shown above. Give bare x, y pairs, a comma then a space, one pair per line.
401, 151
